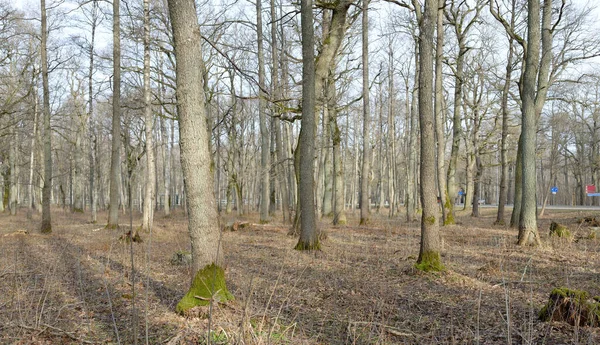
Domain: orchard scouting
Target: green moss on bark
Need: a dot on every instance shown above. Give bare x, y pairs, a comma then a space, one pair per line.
430, 261
208, 284
308, 246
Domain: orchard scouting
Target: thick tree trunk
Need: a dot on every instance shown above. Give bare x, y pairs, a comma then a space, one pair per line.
46, 226
528, 232
309, 234
115, 162
203, 218
429, 254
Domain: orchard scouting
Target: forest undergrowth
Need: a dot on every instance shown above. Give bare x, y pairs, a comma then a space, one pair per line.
75, 285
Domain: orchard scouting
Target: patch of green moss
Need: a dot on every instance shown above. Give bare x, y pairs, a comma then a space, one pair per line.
572, 306
77, 210
208, 284
316, 245
559, 230
430, 220
430, 261
450, 216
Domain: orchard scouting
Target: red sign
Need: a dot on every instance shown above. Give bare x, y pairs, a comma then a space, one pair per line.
590, 188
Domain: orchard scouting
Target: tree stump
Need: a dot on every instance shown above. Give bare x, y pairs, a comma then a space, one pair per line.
573, 307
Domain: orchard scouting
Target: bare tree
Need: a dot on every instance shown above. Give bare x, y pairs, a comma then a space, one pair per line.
149, 196
46, 226
203, 218
365, 202
115, 162
309, 233
429, 253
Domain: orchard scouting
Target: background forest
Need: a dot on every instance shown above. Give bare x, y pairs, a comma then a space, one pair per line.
269, 114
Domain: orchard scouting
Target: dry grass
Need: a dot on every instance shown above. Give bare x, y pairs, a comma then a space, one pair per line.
74, 286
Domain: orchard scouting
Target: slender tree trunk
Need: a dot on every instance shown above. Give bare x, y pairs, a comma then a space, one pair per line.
429, 254
14, 170
309, 234
503, 195
30, 193
411, 207
391, 137
149, 196
339, 215
477, 185
264, 132
365, 203
46, 226
439, 113
115, 162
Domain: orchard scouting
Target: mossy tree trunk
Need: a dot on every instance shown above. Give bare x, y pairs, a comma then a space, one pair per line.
203, 218
429, 254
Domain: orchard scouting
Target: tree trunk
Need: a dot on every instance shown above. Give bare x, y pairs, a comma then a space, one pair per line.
115, 162
503, 195
439, 112
203, 218
429, 254
149, 195
46, 226
365, 203
14, 170
264, 132
528, 232
339, 215
309, 234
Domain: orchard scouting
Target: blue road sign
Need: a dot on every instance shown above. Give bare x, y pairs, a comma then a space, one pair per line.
554, 190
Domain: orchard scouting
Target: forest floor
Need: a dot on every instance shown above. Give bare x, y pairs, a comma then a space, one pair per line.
75, 287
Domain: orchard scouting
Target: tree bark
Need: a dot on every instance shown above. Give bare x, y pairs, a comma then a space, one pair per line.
439, 112
149, 196
203, 218
503, 194
46, 226
528, 232
429, 254
365, 203
115, 162
309, 234
264, 132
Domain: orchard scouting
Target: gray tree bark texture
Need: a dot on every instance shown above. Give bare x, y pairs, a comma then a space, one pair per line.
262, 114
365, 202
439, 112
46, 226
503, 193
149, 196
203, 219
528, 232
309, 234
429, 254
115, 161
